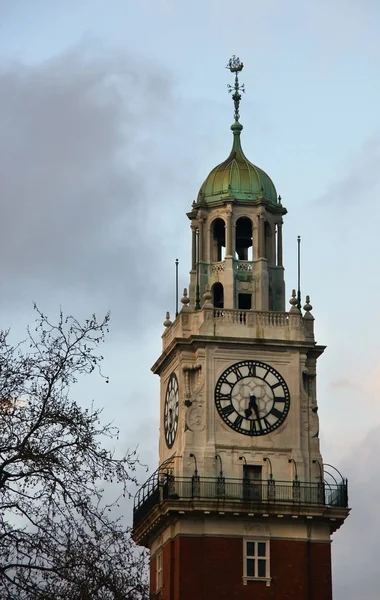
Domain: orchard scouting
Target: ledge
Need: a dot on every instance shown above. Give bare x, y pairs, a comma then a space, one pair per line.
168, 497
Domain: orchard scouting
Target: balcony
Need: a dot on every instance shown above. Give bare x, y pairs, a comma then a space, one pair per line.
164, 493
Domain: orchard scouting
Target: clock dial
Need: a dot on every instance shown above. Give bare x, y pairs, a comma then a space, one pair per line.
171, 410
252, 398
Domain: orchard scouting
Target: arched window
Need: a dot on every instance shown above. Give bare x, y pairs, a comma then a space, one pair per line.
218, 240
217, 295
244, 239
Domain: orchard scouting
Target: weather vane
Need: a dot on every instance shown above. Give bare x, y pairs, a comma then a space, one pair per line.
235, 66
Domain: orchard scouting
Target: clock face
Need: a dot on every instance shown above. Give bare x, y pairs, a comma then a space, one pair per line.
171, 410
252, 398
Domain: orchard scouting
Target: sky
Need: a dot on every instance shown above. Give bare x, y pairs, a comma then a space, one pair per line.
111, 116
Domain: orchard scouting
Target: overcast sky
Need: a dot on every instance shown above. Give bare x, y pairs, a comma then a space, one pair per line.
112, 114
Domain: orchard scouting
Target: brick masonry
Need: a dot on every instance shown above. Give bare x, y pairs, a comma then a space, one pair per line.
211, 568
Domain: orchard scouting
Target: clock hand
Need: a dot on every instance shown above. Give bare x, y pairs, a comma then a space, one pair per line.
252, 404
170, 418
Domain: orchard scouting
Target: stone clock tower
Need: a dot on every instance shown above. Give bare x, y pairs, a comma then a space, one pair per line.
242, 504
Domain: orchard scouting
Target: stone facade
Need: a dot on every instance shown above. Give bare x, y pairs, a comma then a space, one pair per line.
198, 347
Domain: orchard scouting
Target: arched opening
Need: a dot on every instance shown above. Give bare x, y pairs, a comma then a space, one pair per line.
218, 240
269, 243
217, 295
244, 239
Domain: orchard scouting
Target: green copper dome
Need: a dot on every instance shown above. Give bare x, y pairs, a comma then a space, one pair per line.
237, 177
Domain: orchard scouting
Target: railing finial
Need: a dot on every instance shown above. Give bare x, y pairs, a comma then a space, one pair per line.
266, 459
196, 464
221, 465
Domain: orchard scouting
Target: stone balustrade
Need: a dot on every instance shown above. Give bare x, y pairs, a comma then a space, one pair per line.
252, 318
251, 324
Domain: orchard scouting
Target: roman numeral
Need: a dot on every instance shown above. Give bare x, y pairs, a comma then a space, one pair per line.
279, 399
222, 397
228, 410
267, 424
276, 385
263, 424
276, 413
251, 370
229, 383
238, 421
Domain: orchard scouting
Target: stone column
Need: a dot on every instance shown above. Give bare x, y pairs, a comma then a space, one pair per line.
233, 240
228, 273
193, 248
279, 245
201, 242
261, 237
253, 241
229, 234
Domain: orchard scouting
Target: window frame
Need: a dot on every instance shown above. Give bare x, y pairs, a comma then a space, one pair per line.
159, 570
256, 557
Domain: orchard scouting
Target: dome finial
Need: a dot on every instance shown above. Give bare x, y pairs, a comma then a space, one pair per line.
235, 66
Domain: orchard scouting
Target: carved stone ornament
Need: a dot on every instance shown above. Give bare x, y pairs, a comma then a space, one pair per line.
194, 419
245, 286
257, 529
193, 382
309, 407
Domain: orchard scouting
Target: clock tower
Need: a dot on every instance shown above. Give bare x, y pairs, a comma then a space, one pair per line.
242, 504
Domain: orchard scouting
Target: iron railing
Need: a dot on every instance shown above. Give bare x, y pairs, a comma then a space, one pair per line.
166, 487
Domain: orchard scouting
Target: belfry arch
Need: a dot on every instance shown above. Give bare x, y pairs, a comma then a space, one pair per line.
218, 240
217, 292
243, 239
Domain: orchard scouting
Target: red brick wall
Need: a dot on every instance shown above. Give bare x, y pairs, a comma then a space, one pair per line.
152, 574
206, 568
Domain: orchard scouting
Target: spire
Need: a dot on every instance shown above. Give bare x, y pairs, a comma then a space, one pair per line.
235, 66
236, 176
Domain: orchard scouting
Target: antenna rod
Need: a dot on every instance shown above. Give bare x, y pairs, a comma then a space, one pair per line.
299, 272
176, 286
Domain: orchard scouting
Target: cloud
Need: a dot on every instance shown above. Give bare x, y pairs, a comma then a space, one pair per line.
84, 179
360, 179
357, 544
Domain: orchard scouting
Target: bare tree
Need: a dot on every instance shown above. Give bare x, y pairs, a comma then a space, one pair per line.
59, 538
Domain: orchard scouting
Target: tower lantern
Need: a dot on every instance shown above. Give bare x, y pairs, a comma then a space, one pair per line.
241, 504
237, 229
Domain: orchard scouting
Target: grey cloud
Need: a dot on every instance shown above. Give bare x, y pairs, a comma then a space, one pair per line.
357, 545
361, 178
83, 176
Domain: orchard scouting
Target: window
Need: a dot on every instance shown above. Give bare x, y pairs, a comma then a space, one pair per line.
256, 561
243, 240
217, 295
252, 482
245, 301
218, 240
159, 571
